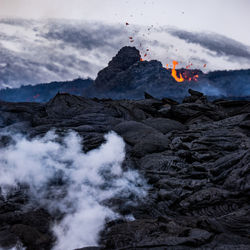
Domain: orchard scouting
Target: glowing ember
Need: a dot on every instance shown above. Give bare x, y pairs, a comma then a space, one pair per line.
141, 60
189, 76
195, 77
174, 74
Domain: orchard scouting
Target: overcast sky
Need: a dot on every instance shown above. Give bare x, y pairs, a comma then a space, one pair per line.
226, 17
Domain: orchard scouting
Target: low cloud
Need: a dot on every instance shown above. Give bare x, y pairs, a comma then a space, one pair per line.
44, 51
222, 45
81, 35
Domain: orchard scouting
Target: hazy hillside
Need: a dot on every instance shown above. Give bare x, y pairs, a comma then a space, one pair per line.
44, 92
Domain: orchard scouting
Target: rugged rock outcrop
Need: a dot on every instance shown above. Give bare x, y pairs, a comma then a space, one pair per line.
107, 78
194, 155
128, 77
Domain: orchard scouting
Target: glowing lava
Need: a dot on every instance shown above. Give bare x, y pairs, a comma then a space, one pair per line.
174, 74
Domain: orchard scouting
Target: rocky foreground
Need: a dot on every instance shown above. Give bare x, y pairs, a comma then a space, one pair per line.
195, 155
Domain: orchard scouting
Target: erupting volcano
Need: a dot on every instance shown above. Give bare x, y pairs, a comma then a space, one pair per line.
185, 76
124, 125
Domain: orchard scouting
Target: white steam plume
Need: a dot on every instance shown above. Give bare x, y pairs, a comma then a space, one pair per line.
64, 179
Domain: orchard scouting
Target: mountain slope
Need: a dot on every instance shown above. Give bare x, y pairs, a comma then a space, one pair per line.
126, 76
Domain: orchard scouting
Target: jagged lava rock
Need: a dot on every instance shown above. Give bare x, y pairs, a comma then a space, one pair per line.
195, 157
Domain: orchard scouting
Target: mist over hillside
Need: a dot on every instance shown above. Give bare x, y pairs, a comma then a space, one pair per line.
39, 51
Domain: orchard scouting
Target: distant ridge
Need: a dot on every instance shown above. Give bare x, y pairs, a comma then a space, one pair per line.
45, 91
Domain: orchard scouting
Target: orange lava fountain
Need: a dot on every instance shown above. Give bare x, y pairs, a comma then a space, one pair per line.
174, 74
